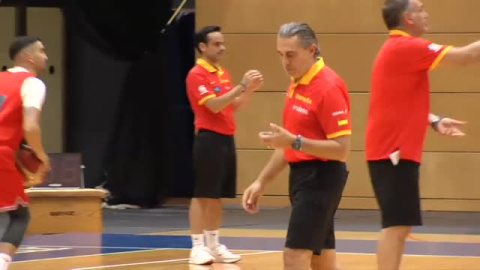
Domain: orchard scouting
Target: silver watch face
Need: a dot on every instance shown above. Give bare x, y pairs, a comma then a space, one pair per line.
297, 144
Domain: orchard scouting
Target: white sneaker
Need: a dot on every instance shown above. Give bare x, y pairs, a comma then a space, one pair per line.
200, 256
223, 255
4, 261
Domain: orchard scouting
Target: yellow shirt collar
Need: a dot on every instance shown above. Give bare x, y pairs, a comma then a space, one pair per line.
307, 78
209, 67
397, 32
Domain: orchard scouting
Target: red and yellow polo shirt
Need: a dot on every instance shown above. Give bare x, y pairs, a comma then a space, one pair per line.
400, 96
317, 107
204, 82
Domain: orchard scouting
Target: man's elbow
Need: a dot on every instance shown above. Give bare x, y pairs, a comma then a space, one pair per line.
214, 109
212, 106
30, 126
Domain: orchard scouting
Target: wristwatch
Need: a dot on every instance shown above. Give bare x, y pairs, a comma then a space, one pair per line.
297, 144
436, 122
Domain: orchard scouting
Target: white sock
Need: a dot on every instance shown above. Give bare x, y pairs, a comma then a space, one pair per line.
4, 261
197, 240
212, 238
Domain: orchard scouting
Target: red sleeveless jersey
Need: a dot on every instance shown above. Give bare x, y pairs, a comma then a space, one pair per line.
11, 133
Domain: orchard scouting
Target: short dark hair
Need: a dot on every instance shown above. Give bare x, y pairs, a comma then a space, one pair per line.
202, 35
392, 12
20, 43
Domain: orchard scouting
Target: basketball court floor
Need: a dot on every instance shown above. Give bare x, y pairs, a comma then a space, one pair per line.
159, 239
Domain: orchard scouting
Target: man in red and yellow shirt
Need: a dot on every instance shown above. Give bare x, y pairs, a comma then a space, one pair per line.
21, 99
398, 119
315, 142
214, 99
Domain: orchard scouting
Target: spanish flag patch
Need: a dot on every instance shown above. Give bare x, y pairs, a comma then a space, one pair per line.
343, 122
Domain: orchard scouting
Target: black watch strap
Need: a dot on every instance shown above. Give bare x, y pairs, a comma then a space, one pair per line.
436, 122
297, 144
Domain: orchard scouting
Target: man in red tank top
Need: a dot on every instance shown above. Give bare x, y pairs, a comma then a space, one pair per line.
21, 99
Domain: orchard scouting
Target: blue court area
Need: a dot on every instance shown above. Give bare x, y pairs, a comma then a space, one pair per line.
66, 245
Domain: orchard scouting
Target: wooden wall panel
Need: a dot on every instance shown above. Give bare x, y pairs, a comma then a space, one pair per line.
358, 184
245, 52
264, 108
250, 163
347, 16
359, 113
453, 16
266, 16
51, 32
450, 176
351, 56
7, 31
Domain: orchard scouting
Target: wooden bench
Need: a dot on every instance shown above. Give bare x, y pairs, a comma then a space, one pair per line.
65, 210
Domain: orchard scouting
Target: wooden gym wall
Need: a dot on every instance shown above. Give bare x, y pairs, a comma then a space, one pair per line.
47, 24
350, 33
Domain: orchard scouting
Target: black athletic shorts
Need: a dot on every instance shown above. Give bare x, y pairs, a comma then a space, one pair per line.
397, 191
214, 165
315, 188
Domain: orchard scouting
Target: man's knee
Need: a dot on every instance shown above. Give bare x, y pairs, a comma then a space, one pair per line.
297, 259
327, 260
19, 221
398, 232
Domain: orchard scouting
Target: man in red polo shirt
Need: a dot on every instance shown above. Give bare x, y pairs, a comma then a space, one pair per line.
398, 119
214, 99
315, 142
21, 100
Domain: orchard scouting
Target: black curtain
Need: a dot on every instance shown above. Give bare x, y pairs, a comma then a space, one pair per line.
181, 60
125, 88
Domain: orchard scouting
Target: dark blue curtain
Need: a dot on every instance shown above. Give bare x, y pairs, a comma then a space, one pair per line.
122, 76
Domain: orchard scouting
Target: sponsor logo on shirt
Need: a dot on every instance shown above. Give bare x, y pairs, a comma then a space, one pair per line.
300, 109
303, 98
340, 112
434, 47
202, 89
